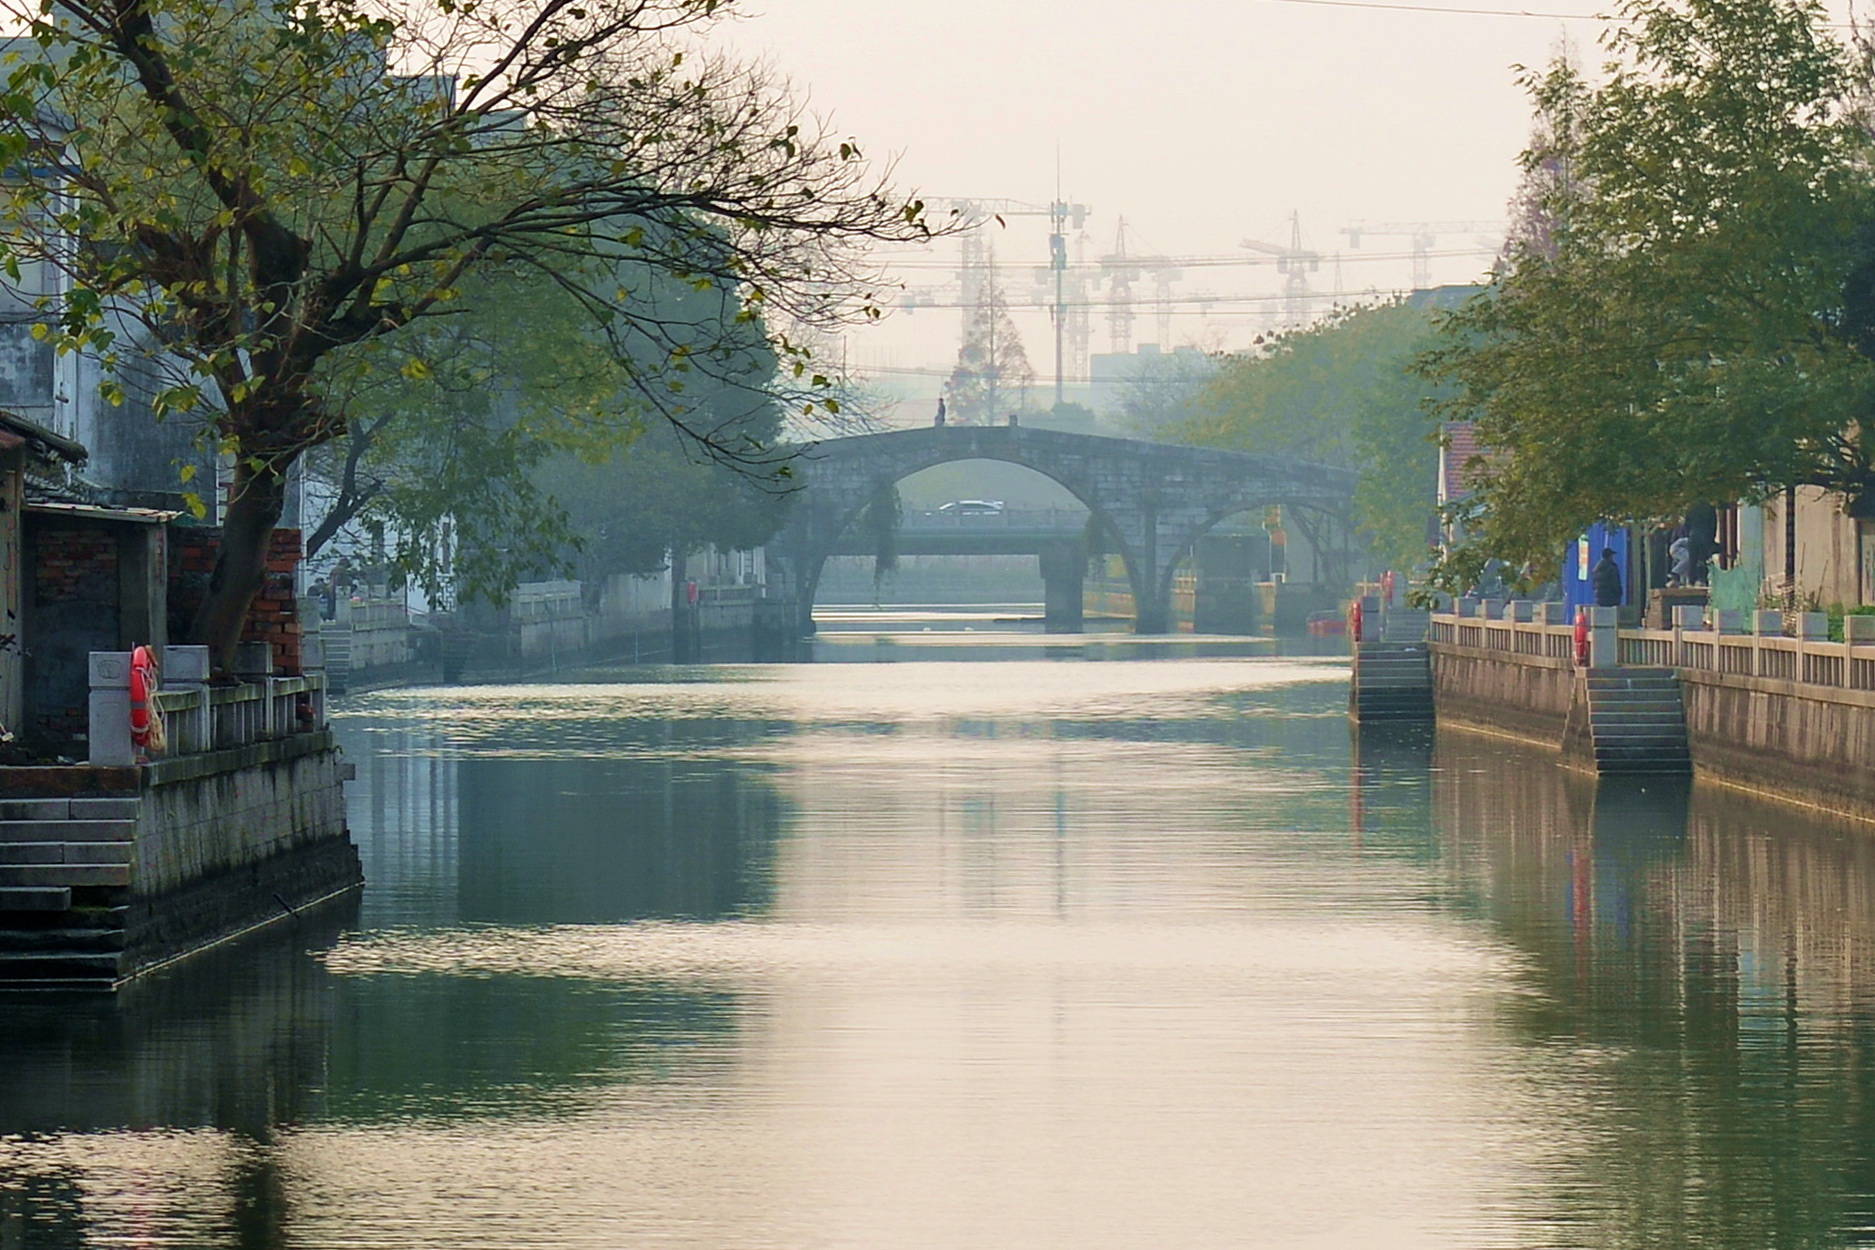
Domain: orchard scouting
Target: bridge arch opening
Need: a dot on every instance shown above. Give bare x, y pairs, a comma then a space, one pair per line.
973, 531
1152, 500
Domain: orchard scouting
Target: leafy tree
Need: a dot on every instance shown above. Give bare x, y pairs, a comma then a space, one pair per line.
1689, 317
1341, 391
255, 184
630, 506
464, 466
992, 375
1163, 391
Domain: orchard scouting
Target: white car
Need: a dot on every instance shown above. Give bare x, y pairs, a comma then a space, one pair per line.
971, 507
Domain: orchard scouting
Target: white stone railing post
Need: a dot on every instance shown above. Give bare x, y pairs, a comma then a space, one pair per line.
1604, 638
1370, 619
187, 668
1687, 619
107, 729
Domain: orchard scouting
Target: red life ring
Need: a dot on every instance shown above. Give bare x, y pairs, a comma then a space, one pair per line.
142, 686
1354, 620
1582, 637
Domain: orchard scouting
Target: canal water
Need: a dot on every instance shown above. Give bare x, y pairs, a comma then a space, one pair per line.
1022, 946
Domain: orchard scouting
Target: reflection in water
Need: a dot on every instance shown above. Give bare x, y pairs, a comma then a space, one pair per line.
1019, 954
1699, 983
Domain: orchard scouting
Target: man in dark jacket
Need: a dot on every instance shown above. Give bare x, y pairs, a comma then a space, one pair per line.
1606, 578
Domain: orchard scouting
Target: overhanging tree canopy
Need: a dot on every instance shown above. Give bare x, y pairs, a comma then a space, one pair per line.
1341, 392
266, 187
1686, 314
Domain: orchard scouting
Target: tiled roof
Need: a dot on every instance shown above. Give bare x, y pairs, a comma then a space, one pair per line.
32, 432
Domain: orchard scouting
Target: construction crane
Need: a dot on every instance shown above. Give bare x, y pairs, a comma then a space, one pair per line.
1122, 267
1295, 263
1423, 234
974, 214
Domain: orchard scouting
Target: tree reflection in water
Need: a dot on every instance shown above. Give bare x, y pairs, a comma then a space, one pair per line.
1700, 964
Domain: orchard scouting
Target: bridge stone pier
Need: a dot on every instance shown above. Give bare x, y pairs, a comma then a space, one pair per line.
1152, 501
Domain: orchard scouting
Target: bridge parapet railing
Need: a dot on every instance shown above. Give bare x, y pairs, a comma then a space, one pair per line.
1713, 643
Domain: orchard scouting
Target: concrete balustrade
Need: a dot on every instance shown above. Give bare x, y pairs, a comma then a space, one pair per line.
198, 717
1701, 641
1766, 701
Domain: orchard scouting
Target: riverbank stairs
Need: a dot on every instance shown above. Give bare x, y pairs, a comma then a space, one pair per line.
64, 868
1629, 720
1392, 670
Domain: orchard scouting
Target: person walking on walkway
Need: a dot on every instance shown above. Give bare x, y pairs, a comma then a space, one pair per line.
1606, 578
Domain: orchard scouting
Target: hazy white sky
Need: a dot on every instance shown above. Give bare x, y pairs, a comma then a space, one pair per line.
1200, 121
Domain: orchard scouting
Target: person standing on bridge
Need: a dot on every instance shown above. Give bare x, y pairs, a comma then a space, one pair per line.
940, 412
1012, 420
1606, 578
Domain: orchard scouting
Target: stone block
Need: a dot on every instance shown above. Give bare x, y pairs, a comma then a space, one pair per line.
54, 809
64, 874
108, 736
1812, 626
32, 852
1729, 621
98, 809
1690, 616
99, 852
1768, 622
1521, 610
110, 670
35, 898
67, 830
1858, 628
253, 659
185, 666
1554, 614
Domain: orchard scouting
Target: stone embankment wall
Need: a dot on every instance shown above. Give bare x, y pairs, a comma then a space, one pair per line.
106, 872
1784, 738
1804, 735
1525, 697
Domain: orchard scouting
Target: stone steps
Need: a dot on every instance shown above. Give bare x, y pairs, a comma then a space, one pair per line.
68, 809
1391, 681
90, 941
65, 852
1637, 722
63, 968
35, 898
67, 830
63, 874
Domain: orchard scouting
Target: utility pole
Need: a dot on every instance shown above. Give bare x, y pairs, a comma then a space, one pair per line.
1058, 259
976, 214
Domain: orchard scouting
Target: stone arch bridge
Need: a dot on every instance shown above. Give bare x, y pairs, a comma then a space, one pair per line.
1154, 500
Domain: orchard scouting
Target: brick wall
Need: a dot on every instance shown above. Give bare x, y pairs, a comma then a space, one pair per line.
75, 564
273, 619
